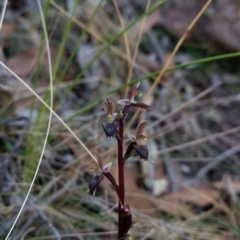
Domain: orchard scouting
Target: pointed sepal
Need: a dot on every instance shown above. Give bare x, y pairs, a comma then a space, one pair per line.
124, 102
141, 105
133, 90
110, 129
94, 182
140, 129
128, 152
142, 151
106, 167
109, 106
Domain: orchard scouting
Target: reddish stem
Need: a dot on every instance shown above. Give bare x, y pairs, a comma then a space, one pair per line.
120, 179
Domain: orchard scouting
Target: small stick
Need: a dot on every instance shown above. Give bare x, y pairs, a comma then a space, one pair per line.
203, 171
200, 140
172, 229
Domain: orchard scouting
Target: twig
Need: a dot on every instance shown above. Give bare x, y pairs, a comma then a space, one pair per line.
38, 213
172, 229
75, 235
7, 225
149, 234
63, 190
45, 219
203, 171
126, 41
172, 175
24, 227
170, 58
199, 141
187, 104
4, 163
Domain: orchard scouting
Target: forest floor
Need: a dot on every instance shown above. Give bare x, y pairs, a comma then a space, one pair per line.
60, 59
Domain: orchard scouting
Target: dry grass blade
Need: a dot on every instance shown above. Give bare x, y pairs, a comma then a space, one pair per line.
49, 121
191, 142
125, 37
3, 13
203, 171
132, 60
200, 140
51, 110
116, 50
187, 104
166, 65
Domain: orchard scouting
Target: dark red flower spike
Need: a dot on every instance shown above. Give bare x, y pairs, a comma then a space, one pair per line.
115, 128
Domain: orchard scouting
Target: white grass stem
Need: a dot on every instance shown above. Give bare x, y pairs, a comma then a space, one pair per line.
3, 13
50, 109
50, 116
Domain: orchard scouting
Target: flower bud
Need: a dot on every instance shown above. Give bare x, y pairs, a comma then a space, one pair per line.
94, 182
110, 128
127, 219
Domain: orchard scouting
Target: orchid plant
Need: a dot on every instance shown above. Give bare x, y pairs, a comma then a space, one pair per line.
114, 127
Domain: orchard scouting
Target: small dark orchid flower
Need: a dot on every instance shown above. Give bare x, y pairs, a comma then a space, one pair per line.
103, 168
110, 128
94, 182
130, 101
127, 218
103, 171
138, 142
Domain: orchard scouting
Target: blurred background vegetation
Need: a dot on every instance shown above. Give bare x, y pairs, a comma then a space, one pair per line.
97, 49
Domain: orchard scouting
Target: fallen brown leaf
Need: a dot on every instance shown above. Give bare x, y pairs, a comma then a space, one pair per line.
178, 202
150, 21
234, 185
25, 63
222, 17
7, 29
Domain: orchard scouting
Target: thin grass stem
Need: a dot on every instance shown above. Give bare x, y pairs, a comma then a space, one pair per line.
49, 121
